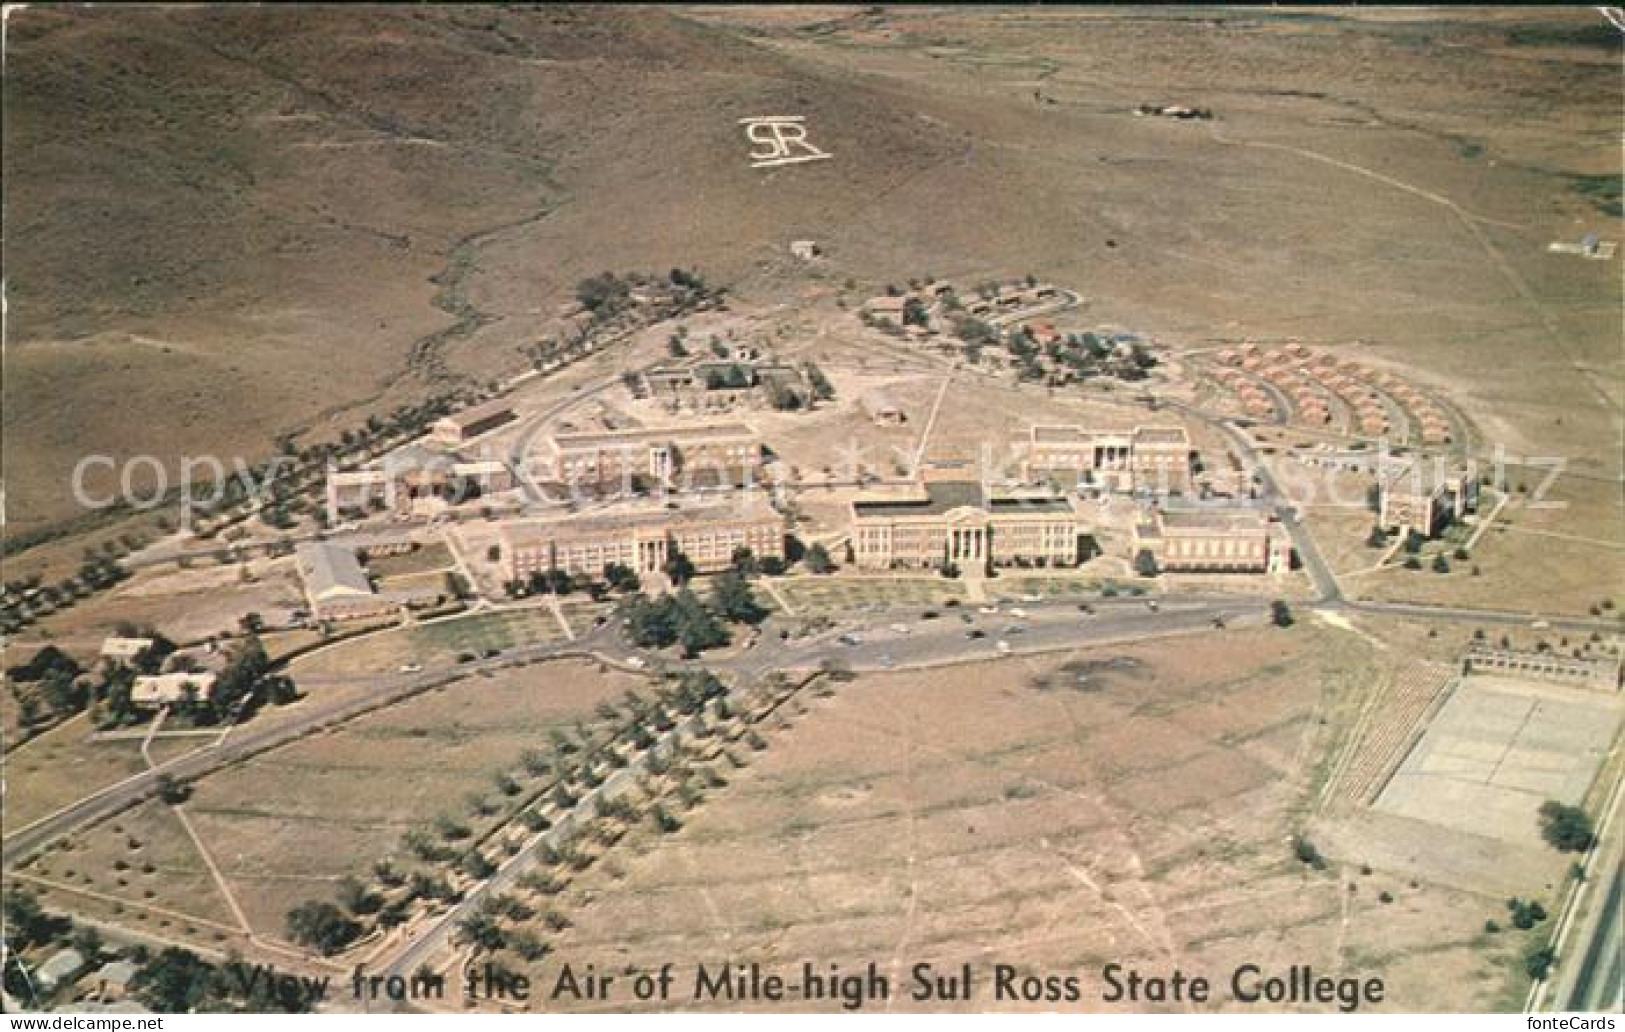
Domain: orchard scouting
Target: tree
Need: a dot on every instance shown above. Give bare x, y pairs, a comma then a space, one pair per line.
1145, 564
63, 692
357, 898
239, 682
46, 661
1566, 828
817, 559
781, 397
744, 561
822, 389
321, 926
1538, 961
650, 623
1376, 539
697, 630
1280, 614
679, 569
914, 312
25, 921
621, 577
176, 981
731, 596
553, 581
88, 941
171, 791
279, 689
603, 295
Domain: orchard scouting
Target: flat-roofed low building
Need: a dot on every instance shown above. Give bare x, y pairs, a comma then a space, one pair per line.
1421, 497
963, 523
643, 537
460, 427
883, 408
716, 453
715, 385
886, 307
172, 689
1591, 669
118, 649
409, 478
112, 981
59, 969
354, 491
484, 476
1213, 541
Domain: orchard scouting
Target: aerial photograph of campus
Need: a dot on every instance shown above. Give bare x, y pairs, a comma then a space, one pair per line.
890, 509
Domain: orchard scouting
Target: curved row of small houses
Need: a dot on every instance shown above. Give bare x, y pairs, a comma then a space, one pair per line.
1312, 378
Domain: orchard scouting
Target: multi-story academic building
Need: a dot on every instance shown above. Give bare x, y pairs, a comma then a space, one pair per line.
709, 455
1151, 458
1207, 541
962, 523
644, 538
1415, 497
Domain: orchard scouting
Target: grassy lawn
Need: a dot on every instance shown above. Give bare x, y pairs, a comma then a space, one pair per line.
1049, 587
420, 560
434, 644
287, 824
846, 593
60, 766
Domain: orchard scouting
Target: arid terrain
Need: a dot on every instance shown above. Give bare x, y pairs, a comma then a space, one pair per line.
254, 236
353, 233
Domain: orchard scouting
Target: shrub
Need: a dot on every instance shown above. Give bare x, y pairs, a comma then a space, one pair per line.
1565, 828
1307, 853
1537, 963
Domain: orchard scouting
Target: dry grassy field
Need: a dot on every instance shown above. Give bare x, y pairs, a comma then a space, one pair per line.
143, 861
1130, 804
59, 766
227, 225
287, 825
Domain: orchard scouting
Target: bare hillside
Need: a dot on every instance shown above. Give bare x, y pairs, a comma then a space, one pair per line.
226, 223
